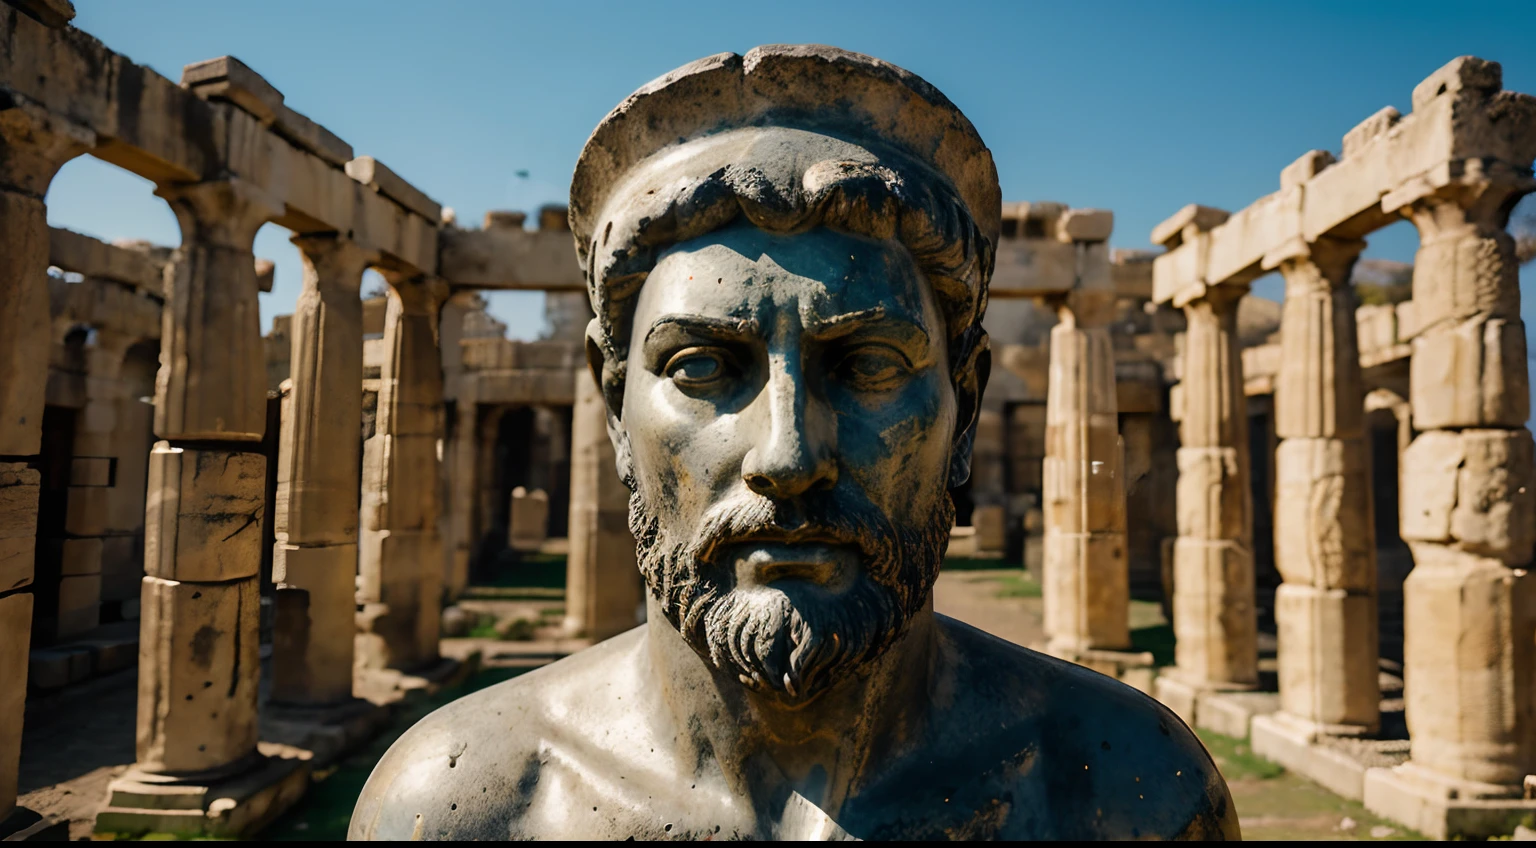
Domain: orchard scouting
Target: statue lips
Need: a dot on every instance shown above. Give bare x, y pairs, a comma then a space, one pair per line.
816, 555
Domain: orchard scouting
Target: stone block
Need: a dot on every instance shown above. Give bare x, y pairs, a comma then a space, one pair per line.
1444, 809
1328, 655
1474, 488
109, 655
1232, 713
54, 14
1214, 619
91, 471
237, 807
55, 668
1282, 739
199, 670
529, 519
228, 78
15, 634
400, 475
1464, 73
1085, 225
79, 604
1323, 515
1365, 132
1469, 650
19, 487
203, 513
81, 556
312, 137
1309, 165
314, 626
374, 174
990, 522
1086, 590
1212, 495
1472, 374
1169, 233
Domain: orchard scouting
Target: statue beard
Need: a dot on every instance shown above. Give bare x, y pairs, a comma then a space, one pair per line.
794, 640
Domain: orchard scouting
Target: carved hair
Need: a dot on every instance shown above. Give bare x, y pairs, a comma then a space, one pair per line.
863, 198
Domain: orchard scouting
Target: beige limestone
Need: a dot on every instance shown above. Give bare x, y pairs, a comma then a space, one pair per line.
603, 588
1215, 620
203, 514
529, 520
198, 672
990, 522
318, 480
15, 636
1324, 525
19, 487
401, 556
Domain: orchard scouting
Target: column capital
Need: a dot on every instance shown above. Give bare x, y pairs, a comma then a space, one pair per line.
331, 259
222, 213
1324, 264
1220, 299
37, 143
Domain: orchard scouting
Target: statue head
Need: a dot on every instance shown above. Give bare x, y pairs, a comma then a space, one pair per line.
787, 254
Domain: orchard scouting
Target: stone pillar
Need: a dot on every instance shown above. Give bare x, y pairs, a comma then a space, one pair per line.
198, 662
1086, 586
314, 561
1325, 535
1468, 510
401, 553
33, 146
1214, 618
92, 485
602, 586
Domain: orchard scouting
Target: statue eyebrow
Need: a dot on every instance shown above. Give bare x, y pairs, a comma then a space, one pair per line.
704, 325
851, 322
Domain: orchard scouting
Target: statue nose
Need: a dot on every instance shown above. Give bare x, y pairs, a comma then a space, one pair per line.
799, 453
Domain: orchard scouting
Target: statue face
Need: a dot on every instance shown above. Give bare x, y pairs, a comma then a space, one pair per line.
790, 418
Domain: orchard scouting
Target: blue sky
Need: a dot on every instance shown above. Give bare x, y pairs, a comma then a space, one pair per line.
1139, 107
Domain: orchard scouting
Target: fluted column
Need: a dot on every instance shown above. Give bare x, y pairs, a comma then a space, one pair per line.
314, 561
33, 146
1214, 618
1468, 510
602, 587
1325, 539
1087, 582
401, 554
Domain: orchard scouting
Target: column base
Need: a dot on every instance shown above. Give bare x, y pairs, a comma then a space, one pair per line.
1133, 668
1334, 756
1225, 708
24, 825
387, 685
327, 732
1441, 807
234, 807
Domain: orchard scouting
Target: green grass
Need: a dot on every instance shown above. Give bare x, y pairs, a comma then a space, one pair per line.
1017, 584
324, 812
1236, 759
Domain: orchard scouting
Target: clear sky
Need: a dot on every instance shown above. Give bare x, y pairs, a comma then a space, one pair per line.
1138, 107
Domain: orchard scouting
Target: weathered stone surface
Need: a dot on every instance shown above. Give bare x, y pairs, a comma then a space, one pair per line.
19, 487
1328, 651
82, 254
991, 528
528, 523
1324, 527
1215, 620
505, 256
1471, 374
603, 587
1469, 644
1086, 603
1471, 489
15, 636
228, 78
203, 513
1213, 499
374, 174
198, 672
1085, 225
315, 624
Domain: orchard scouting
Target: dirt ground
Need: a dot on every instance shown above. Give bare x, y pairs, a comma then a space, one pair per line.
76, 741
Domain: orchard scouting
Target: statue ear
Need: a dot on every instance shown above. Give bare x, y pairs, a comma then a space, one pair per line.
970, 384
609, 374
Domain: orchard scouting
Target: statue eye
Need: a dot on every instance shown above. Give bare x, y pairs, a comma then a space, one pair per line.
697, 367
872, 367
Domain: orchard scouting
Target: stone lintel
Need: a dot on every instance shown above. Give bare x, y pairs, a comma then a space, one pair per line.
1085, 225
1311, 163
312, 137
150, 126
1033, 268
504, 219
509, 257
55, 14
1170, 233
228, 78
377, 176
84, 255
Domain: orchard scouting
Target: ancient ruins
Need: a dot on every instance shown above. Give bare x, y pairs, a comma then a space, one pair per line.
180, 494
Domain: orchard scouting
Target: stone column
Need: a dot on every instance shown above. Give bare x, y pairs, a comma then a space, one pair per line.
1468, 510
1325, 536
92, 485
198, 662
602, 585
314, 561
401, 553
1086, 586
1214, 618
33, 146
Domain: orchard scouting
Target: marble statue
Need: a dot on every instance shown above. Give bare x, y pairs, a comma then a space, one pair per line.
787, 254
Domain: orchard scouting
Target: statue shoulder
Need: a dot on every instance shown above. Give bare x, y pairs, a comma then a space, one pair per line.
468, 769
1104, 759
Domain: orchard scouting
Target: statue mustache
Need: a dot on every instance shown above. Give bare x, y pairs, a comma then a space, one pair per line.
827, 518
